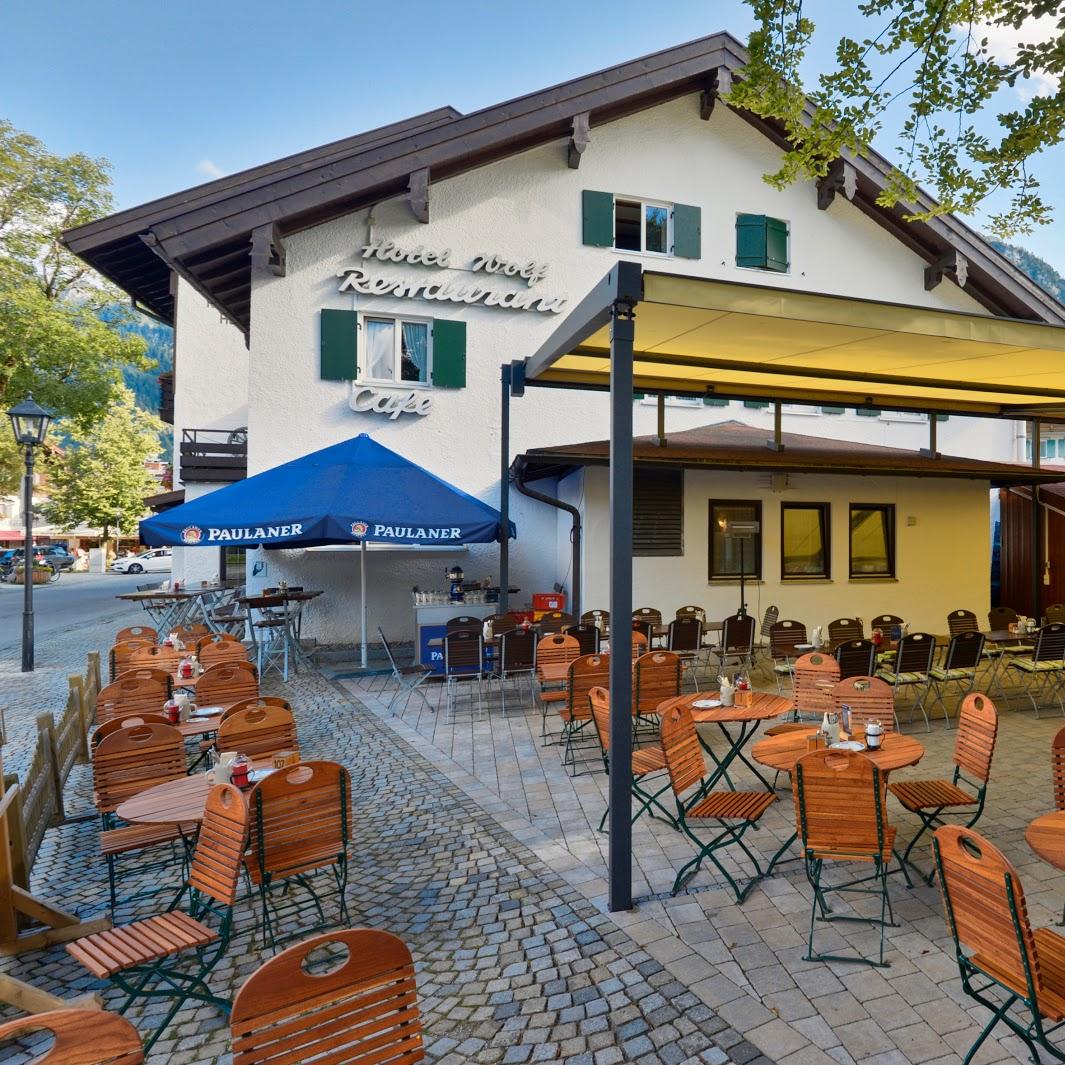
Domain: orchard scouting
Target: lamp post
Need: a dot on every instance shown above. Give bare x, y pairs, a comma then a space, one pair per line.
29, 422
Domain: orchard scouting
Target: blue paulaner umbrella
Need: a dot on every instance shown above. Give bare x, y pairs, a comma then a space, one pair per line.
355, 492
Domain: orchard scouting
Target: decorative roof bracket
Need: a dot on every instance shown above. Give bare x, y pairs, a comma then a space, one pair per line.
841, 178
950, 265
418, 194
579, 140
719, 85
268, 249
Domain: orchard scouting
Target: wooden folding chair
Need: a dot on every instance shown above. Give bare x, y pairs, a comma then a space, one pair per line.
841, 816
912, 668
996, 948
362, 1011
734, 812
191, 633
226, 683
81, 1037
815, 675
143, 959
160, 676
226, 651
865, 700
553, 656
216, 637
555, 621
647, 759
137, 632
118, 658
974, 747
300, 826
784, 638
843, 629
156, 656
124, 764
259, 700
584, 673
130, 694
128, 721
856, 658
258, 731
964, 654
656, 677
1044, 671
686, 640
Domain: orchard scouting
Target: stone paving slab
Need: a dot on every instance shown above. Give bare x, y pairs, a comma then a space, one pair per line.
746, 962
514, 964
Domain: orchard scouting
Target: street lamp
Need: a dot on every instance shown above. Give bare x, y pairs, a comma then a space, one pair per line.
29, 422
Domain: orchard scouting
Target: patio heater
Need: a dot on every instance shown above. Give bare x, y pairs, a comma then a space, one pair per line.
742, 533
29, 422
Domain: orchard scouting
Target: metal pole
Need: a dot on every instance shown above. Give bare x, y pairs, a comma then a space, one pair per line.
27, 564
362, 602
504, 490
621, 343
1037, 564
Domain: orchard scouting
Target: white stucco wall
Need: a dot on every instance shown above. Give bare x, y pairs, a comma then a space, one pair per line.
942, 560
525, 207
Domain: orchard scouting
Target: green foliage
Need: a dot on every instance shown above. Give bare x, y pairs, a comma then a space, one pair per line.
935, 60
1040, 271
54, 342
100, 480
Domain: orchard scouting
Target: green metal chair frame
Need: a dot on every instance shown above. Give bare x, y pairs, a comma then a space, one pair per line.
1045, 670
735, 811
912, 668
292, 833
974, 748
211, 890
965, 652
839, 803
996, 947
646, 762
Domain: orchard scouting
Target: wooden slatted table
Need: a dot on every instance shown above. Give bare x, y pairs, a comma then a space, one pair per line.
783, 751
175, 802
1046, 837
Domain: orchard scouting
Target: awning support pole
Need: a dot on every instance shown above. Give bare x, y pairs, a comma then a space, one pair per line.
504, 490
362, 603
622, 334
661, 441
1037, 612
777, 443
933, 437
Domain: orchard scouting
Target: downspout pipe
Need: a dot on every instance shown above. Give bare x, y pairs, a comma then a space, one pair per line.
518, 472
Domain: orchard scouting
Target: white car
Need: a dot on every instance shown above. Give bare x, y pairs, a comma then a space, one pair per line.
146, 562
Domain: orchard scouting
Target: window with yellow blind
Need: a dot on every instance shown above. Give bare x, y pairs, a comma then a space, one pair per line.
872, 540
804, 541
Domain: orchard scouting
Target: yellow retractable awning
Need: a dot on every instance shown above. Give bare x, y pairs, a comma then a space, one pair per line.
699, 337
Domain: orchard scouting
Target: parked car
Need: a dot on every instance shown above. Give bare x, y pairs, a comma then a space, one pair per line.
55, 555
146, 562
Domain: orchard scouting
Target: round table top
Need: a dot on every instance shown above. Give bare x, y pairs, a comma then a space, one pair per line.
783, 751
764, 707
1046, 837
175, 802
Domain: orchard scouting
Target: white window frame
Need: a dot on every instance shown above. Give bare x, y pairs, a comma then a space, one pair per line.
644, 204
396, 380
689, 402
800, 408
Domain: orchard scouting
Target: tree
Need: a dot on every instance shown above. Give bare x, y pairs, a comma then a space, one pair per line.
100, 479
53, 342
942, 62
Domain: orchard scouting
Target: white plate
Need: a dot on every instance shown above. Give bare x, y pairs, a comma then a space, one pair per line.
259, 774
804, 647
848, 745
706, 704
206, 711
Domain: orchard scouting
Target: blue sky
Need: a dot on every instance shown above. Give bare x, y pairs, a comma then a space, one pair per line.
177, 92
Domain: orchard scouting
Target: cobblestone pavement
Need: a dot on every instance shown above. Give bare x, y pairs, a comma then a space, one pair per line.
746, 962
514, 964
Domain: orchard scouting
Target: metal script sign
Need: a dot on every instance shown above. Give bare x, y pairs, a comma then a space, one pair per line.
393, 403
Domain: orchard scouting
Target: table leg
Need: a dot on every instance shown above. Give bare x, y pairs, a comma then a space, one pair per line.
736, 745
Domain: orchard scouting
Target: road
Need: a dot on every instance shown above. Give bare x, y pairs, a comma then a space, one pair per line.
75, 600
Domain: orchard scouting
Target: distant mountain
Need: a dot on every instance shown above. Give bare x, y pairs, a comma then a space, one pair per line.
1042, 273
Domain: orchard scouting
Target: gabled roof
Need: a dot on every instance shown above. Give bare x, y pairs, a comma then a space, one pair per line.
733, 445
205, 234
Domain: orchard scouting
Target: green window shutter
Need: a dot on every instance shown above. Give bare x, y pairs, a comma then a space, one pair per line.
687, 231
598, 218
942, 417
867, 412
710, 401
449, 353
637, 396
832, 410
754, 404
776, 245
750, 240
339, 345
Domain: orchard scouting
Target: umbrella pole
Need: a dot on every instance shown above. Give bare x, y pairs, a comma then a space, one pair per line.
362, 601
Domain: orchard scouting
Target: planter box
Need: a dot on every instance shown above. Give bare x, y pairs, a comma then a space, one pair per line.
40, 576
